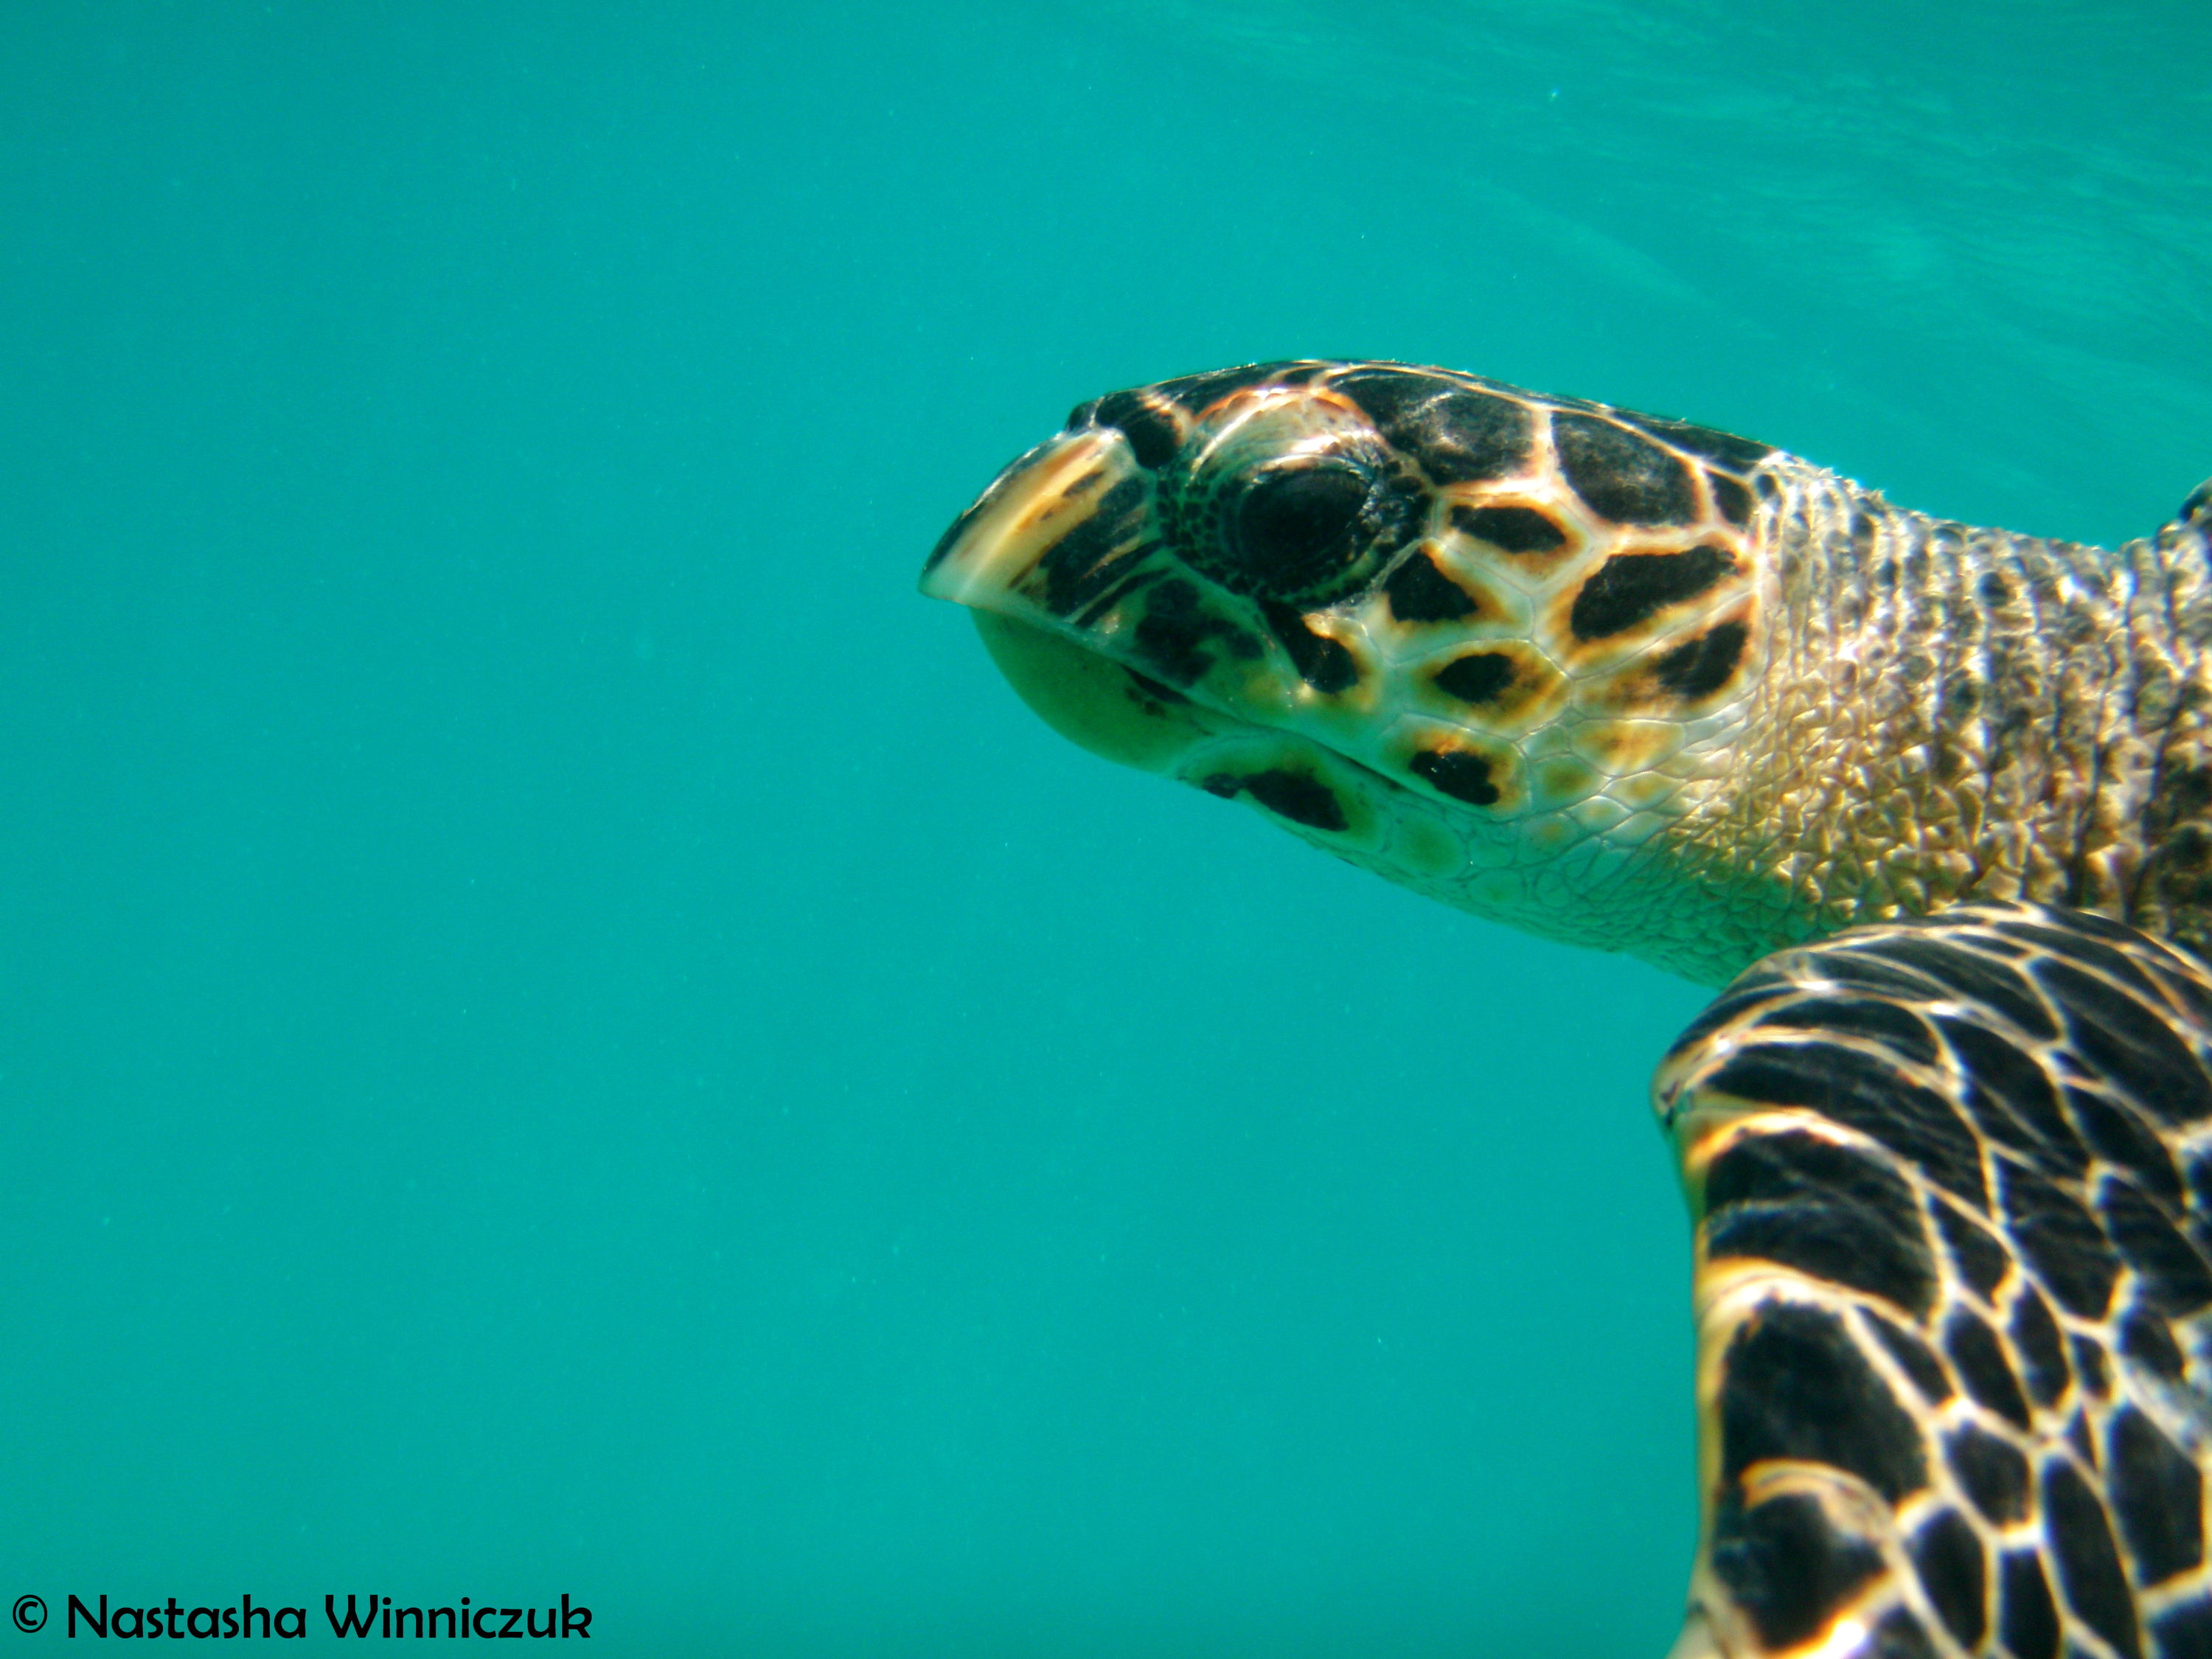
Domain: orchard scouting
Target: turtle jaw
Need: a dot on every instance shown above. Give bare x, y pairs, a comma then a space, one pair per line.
1060, 563
1094, 701
1052, 532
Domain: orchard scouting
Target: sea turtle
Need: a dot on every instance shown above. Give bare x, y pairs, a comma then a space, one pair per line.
1934, 803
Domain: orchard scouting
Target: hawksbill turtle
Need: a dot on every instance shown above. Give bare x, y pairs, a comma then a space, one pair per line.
1932, 803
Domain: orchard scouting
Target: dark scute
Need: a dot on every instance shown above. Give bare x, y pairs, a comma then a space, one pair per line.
1389, 396
1857, 967
1794, 1385
1786, 1567
1477, 677
1196, 392
1899, 1636
1915, 1357
1297, 526
1172, 647
2028, 1618
1992, 1473
1969, 973
1619, 475
1947, 1555
1512, 529
1297, 797
2083, 937
1152, 436
2171, 1273
2060, 1241
2011, 1096
2042, 1350
1732, 498
1982, 1261
1984, 1366
1176, 597
1744, 994
2158, 1496
2090, 1365
1705, 665
1464, 437
1858, 1090
1322, 662
2183, 1630
2131, 1048
1456, 773
1893, 1027
1630, 587
2118, 1136
1455, 434
1419, 592
1828, 1211
2175, 978
2011, 1071
2089, 1560
2146, 1339
1171, 634
1724, 448
2084, 925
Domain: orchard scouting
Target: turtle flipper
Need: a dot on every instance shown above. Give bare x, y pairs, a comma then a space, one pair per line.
1952, 1180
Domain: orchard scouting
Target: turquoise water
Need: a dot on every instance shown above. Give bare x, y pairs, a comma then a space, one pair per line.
560, 1032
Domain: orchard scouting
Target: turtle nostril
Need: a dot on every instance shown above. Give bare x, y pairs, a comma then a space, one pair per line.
1295, 525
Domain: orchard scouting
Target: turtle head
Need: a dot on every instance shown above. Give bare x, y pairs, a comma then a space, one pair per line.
1448, 629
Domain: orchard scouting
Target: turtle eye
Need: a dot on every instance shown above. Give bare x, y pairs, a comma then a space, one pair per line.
1288, 499
1296, 528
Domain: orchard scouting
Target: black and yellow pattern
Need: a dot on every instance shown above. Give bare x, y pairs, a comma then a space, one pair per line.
1646, 686
1953, 1184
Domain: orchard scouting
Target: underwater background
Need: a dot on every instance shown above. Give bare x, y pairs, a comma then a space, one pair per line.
561, 1032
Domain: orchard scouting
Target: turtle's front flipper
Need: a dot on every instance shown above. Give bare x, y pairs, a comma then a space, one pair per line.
1953, 1188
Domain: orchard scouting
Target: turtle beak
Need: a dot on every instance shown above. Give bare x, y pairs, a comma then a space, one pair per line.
1040, 561
1048, 520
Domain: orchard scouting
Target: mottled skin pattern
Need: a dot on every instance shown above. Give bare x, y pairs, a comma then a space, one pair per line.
1653, 687
1951, 712
1954, 1182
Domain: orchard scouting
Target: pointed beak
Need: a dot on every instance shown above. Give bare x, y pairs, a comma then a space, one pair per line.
1047, 534
1048, 547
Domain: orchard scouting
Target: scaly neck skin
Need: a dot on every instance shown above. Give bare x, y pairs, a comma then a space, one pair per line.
1951, 712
